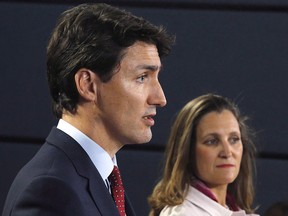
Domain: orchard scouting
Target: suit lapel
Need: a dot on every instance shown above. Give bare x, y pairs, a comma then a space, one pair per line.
101, 196
128, 207
85, 168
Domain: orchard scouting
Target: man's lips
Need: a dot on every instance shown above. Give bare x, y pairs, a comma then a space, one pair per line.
149, 119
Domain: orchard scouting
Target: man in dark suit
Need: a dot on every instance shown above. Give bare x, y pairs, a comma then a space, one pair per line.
103, 65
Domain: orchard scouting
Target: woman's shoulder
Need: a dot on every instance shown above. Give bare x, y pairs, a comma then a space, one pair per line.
184, 209
242, 213
192, 205
196, 203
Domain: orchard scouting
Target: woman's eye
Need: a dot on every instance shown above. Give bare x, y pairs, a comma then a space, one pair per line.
211, 142
234, 140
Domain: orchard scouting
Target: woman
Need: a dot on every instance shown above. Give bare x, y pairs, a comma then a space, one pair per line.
209, 162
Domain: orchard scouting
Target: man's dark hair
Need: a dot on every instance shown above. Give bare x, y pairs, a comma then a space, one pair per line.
94, 36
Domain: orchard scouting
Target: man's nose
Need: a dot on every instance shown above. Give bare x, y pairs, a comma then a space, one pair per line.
157, 96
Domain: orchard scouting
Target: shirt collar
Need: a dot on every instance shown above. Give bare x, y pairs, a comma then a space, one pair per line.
100, 158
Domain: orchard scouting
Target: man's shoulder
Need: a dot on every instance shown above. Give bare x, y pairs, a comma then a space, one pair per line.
54, 158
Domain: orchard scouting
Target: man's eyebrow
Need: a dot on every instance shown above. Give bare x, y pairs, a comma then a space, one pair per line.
149, 67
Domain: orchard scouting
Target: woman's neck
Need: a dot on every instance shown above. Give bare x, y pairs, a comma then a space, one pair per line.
220, 193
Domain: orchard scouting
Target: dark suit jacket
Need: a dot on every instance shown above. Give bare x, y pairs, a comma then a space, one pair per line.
60, 180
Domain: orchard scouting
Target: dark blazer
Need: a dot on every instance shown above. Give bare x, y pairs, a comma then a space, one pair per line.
60, 180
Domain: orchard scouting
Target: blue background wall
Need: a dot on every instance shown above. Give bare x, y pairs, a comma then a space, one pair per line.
235, 48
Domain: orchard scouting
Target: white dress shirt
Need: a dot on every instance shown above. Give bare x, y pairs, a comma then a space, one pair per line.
100, 158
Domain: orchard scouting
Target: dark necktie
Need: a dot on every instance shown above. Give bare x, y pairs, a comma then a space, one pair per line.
117, 190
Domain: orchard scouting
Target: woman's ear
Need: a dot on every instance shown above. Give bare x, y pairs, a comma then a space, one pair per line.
86, 83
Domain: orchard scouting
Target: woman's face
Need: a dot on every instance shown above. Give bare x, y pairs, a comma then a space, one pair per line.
218, 148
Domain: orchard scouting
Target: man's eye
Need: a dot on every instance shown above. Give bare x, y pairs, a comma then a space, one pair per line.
141, 78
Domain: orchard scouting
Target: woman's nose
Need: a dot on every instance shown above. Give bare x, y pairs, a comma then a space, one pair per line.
226, 150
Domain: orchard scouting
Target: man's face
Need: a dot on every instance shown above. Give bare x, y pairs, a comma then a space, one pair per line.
128, 102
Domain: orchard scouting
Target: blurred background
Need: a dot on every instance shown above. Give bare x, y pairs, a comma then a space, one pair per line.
236, 48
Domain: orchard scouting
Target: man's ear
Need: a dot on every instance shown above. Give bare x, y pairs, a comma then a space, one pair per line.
86, 82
